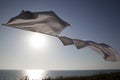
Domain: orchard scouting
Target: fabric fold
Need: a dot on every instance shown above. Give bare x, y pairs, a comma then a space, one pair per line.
66, 40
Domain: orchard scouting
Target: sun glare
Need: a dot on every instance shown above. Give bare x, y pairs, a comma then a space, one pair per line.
37, 40
35, 74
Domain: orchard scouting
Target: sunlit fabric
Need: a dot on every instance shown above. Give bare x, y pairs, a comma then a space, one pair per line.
44, 22
107, 52
49, 23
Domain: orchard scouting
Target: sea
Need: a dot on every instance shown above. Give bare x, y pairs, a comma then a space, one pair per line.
41, 74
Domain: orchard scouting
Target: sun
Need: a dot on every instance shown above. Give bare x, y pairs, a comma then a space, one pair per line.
37, 40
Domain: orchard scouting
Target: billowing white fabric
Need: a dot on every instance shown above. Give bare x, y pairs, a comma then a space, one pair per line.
44, 22
49, 23
107, 52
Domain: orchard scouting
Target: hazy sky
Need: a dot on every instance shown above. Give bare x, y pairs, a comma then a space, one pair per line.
97, 20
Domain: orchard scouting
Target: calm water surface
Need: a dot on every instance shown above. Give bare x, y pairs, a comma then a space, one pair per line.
41, 74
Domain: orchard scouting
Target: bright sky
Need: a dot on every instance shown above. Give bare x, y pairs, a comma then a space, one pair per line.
97, 20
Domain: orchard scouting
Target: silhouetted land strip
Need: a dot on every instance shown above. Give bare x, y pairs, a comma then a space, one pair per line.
107, 76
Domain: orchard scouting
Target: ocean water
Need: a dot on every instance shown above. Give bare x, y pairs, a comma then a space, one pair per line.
41, 74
